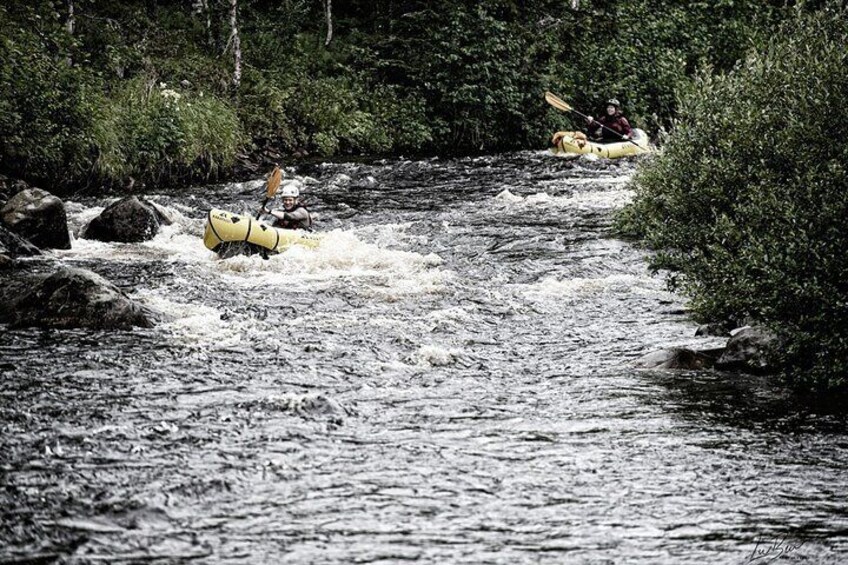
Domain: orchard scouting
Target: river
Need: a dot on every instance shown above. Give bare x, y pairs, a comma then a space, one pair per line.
446, 379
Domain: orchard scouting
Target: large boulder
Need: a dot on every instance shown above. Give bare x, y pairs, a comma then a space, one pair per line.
748, 350
128, 220
677, 358
76, 298
13, 245
38, 216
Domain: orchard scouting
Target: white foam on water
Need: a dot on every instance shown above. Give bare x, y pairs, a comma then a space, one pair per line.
197, 324
385, 235
602, 199
621, 179
182, 240
342, 257
586, 288
457, 314
434, 356
538, 198
593, 200
506, 196
79, 216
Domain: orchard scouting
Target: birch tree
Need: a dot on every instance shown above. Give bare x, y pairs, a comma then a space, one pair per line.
70, 26
202, 7
71, 23
235, 41
328, 12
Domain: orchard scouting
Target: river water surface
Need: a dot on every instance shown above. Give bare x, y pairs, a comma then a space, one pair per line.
446, 379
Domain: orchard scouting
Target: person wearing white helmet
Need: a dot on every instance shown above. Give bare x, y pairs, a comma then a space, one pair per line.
612, 126
294, 215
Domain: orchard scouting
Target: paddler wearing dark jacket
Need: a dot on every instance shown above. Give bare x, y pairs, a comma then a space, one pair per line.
294, 215
613, 120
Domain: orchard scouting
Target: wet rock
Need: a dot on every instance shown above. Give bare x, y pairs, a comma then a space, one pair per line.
38, 216
13, 245
748, 350
128, 220
75, 298
678, 358
718, 329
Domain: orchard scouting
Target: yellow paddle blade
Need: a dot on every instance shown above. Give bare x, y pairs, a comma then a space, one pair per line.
556, 102
274, 182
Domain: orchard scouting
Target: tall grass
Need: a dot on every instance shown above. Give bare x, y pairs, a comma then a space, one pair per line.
163, 134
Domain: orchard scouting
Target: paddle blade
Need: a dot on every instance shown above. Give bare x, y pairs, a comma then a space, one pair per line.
556, 102
274, 183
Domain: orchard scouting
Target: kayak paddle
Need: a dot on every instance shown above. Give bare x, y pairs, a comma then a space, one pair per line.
273, 184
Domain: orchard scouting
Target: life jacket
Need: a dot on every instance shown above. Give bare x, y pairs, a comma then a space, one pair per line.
295, 224
617, 123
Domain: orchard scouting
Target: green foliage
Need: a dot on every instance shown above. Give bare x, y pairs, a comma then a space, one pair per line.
469, 62
45, 115
418, 75
321, 104
161, 133
747, 203
339, 117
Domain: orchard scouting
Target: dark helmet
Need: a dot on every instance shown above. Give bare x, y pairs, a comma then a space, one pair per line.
614, 102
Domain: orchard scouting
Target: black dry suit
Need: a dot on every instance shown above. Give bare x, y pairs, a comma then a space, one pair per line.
297, 218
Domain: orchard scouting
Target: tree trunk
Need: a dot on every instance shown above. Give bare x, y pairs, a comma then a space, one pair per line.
328, 11
69, 25
235, 40
71, 21
204, 7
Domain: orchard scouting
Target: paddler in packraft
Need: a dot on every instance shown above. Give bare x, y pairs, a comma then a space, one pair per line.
610, 127
294, 215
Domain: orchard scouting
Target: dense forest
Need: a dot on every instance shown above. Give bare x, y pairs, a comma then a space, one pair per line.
98, 93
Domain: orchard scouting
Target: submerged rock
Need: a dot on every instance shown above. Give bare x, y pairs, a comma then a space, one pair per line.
128, 220
678, 358
38, 216
76, 298
718, 329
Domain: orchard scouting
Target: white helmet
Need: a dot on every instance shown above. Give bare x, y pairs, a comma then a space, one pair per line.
289, 191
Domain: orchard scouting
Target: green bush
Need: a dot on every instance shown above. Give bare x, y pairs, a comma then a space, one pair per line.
470, 64
340, 116
45, 114
746, 205
162, 134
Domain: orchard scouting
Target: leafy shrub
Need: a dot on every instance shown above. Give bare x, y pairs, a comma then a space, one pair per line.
340, 116
45, 115
746, 205
162, 134
470, 64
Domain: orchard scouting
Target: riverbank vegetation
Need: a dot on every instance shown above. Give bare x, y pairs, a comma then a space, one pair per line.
747, 203
161, 92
